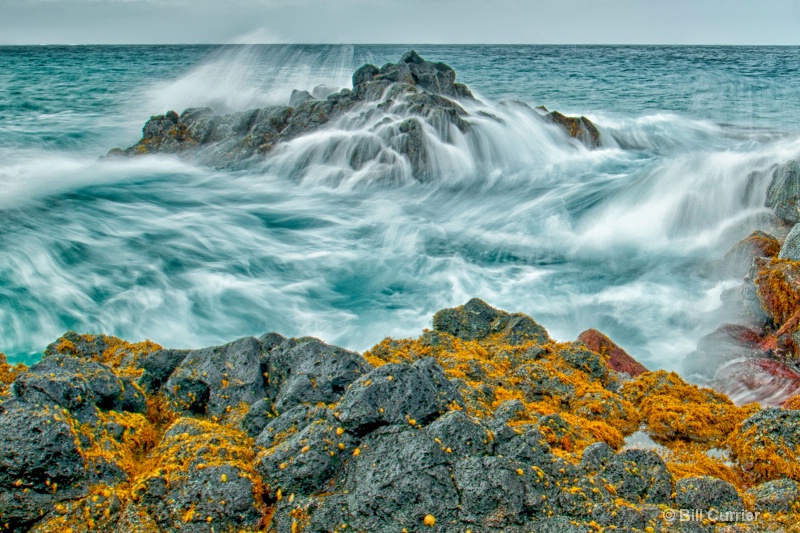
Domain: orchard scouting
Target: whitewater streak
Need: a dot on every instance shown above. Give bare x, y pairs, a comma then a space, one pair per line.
622, 238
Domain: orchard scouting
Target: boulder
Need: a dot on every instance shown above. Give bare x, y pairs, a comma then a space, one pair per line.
791, 246
767, 444
775, 496
477, 320
399, 477
307, 370
618, 359
640, 475
783, 193
216, 380
705, 492
738, 260
580, 128
397, 394
203, 478
40, 462
305, 462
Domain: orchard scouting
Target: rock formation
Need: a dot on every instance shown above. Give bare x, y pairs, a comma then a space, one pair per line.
483, 423
424, 93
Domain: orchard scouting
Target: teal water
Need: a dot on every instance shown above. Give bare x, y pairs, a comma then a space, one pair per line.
622, 238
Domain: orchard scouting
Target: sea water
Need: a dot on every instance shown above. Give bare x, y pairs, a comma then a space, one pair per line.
624, 238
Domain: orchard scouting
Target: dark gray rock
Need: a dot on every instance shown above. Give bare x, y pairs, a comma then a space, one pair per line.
289, 422
364, 74
258, 417
780, 495
783, 193
596, 456
305, 462
476, 320
299, 98
398, 477
79, 385
460, 434
640, 475
40, 462
497, 492
587, 361
307, 370
215, 380
537, 383
791, 246
510, 410
158, 367
398, 394
706, 492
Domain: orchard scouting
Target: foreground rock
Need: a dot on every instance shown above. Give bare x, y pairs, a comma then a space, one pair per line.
483, 423
405, 104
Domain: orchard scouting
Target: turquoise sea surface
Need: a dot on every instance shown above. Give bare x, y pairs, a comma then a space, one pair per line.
625, 238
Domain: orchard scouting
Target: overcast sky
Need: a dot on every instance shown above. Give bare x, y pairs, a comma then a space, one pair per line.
401, 21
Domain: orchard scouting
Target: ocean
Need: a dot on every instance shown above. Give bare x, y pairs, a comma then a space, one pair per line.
625, 238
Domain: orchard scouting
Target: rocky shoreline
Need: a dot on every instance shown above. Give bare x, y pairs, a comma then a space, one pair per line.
483, 423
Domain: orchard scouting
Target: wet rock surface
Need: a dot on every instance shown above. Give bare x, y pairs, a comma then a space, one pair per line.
423, 94
483, 424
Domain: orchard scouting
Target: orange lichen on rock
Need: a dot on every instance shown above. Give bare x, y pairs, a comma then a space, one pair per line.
778, 287
691, 460
767, 445
116, 353
8, 373
675, 410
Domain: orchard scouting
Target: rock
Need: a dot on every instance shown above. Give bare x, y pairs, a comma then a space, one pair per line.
705, 492
477, 320
257, 418
640, 475
397, 394
399, 477
580, 128
791, 246
767, 444
305, 462
307, 370
460, 435
596, 456
40, 462
618, 359
496, 492
783, 193
364, 74
775, 496
586, 361
290, 421
758, 244
216, 380
726, 343
408, 105
158, 367
510, 410
769, 382
203, 476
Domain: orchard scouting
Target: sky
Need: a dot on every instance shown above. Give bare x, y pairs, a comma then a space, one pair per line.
401, 21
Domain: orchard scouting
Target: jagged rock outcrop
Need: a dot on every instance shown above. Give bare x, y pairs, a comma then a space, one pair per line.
424, 94
482, 424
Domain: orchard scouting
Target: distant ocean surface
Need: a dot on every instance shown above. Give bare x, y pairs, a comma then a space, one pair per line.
623, 239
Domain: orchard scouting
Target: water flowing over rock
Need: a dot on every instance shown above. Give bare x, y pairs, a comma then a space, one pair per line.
403, 107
